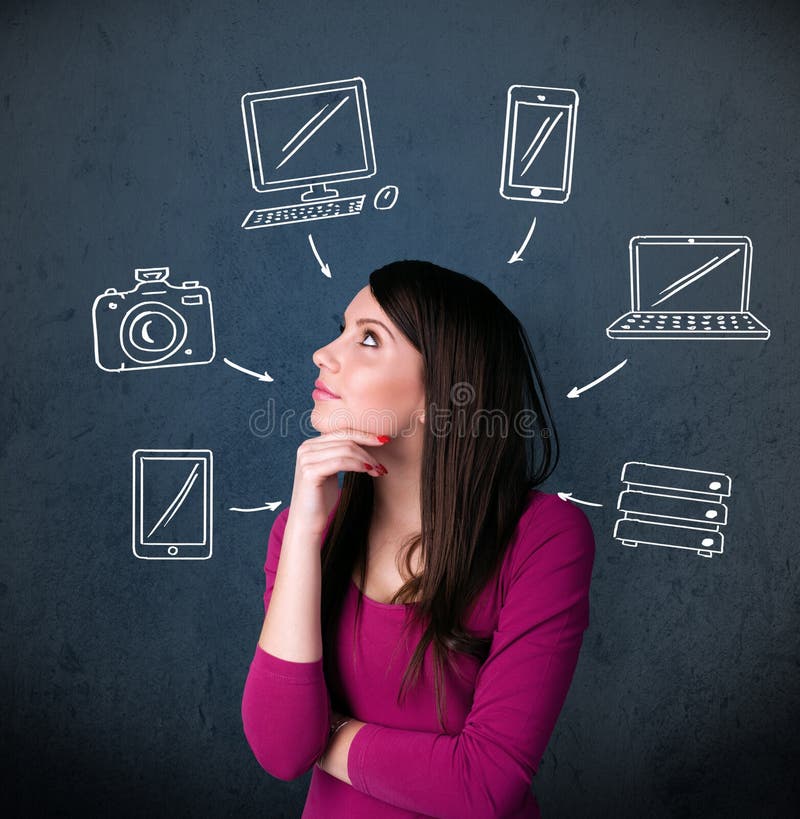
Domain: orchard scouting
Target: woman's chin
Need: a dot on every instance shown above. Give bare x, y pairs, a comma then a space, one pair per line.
321, 420
318, 421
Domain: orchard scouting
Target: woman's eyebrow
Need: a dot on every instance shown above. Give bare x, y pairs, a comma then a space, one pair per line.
361, 321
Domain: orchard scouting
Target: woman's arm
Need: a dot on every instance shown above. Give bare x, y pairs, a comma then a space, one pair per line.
291, 629
285, 702
282, 694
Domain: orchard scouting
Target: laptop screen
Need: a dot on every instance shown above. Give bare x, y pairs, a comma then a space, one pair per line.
678, 275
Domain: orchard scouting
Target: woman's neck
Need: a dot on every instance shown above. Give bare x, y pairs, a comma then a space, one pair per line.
396, 495
396, 508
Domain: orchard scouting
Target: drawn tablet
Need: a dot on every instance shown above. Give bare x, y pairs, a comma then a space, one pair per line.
539, 143
172, 504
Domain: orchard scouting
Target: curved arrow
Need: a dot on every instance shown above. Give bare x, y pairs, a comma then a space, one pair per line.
265, 376
567, 496
575, 392
270, 506
326, 271
516, 256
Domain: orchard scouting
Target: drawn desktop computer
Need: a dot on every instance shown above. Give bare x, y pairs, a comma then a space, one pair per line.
308, 136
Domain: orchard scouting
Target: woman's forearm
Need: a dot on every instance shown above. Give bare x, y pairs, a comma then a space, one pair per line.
334, 758
291, 629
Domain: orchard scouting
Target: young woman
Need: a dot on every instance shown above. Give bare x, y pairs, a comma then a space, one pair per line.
422, 624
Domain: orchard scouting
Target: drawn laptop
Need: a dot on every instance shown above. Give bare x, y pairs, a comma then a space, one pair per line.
689, 287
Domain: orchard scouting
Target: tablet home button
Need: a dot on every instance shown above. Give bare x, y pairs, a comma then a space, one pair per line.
173, 550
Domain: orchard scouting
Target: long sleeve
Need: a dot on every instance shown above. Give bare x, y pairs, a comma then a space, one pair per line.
285, 705
487, 768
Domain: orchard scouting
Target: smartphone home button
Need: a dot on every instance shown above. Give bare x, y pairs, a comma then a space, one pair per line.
536, 192
173, 550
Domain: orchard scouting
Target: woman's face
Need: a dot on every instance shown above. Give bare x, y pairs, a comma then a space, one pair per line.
376, 372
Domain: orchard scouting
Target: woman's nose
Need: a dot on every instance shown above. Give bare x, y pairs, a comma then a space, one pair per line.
323, 357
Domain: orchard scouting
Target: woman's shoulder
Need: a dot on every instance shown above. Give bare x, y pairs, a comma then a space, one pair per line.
551, 527
552, 507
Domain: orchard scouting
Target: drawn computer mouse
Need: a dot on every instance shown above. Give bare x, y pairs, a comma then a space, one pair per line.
386, 197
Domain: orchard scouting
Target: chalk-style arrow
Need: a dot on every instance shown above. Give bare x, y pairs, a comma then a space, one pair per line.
265, 376
326, 271
516, 256
567, 496
270, 506
575, 392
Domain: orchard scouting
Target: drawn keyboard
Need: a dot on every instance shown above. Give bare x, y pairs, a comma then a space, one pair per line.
688, 325
305, 212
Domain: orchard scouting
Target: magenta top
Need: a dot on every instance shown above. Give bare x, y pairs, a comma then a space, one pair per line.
499, 717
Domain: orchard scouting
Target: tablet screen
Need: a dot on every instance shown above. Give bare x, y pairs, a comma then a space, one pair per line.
173, 505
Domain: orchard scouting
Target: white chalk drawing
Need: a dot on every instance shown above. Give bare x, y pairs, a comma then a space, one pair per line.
516, 256
575, 392
385, 198
156, 324
308, 136
324, 268
265, 376
539, 143
568, 496
267, 507
694, 288
173, 493
674, 507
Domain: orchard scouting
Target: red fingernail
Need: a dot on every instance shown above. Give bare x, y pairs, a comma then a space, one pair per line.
368, 466
383, 468
384, 438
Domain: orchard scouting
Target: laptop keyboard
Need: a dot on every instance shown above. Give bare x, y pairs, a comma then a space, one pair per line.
698, 322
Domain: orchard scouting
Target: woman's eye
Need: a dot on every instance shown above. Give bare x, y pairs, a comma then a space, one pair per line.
366, 333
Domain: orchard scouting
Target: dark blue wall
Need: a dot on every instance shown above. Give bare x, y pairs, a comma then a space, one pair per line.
123, 147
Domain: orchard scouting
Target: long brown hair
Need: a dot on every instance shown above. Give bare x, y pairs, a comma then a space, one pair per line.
478, 368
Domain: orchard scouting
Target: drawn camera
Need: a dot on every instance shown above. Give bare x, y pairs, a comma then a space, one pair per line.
156, 324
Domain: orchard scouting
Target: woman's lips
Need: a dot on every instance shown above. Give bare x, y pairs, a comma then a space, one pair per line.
321, 395
322, 392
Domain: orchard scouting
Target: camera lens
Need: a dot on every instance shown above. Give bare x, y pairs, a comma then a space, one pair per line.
151, 332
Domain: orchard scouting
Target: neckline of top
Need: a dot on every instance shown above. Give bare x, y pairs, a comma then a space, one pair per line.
401, 606
398, 606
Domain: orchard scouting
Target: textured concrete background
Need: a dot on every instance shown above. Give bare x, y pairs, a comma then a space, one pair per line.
123, 147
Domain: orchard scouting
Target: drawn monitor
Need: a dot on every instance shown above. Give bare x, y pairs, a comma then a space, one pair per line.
172, 503
689, 287
539, 143
308, 136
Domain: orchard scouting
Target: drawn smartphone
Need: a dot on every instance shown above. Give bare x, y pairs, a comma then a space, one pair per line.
172, 504
539, 143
